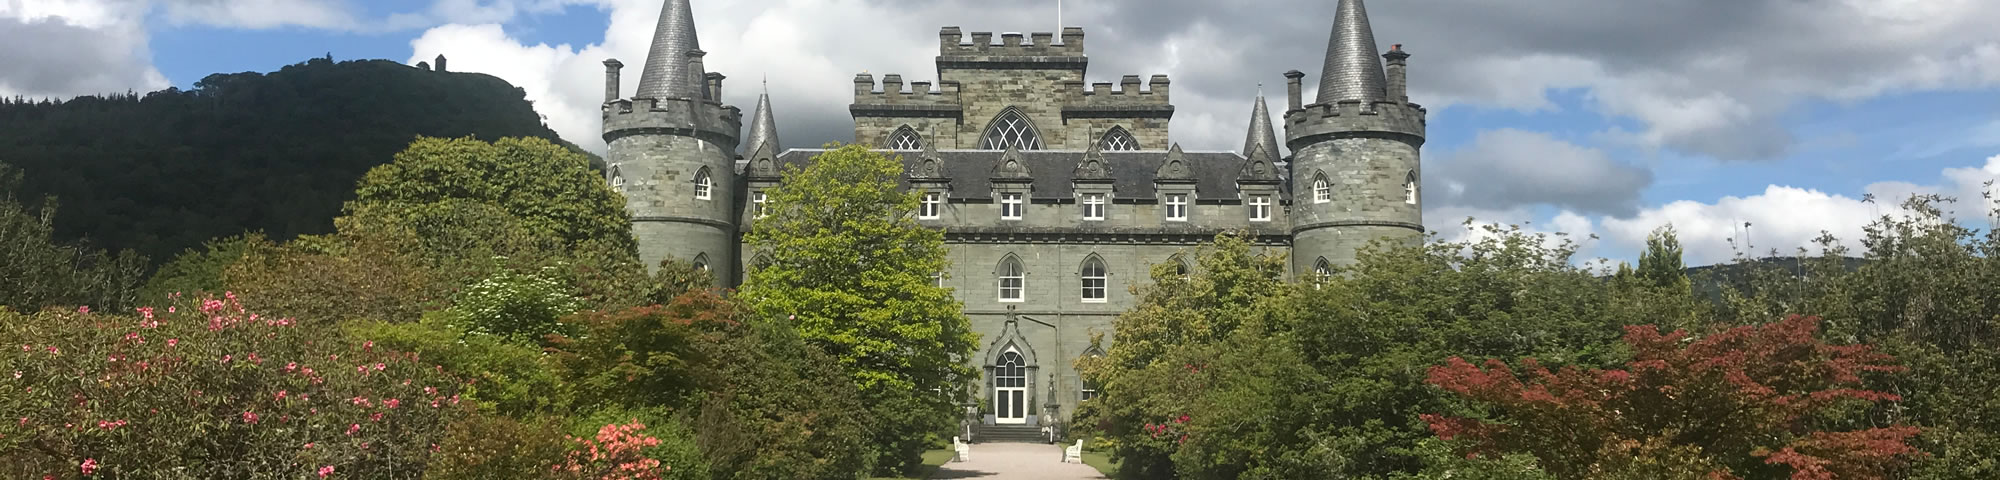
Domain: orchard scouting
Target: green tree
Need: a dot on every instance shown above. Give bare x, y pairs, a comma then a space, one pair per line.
848, 259
551, 189
1660, 264
37, 271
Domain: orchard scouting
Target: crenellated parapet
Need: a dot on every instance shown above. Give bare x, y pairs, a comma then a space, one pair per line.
953, 42
890, 98
709, 121
1317, 123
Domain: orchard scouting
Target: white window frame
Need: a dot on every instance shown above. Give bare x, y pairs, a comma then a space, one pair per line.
758, 205
704, 186
1177, 207
1322, 191
1260, 208
1014, 280
1012, 206
1410, 191
1093, 207
931, 207
1096, 288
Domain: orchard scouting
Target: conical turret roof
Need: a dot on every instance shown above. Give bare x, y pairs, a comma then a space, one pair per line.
1353, 68
1261, 133
670, 73
764, 128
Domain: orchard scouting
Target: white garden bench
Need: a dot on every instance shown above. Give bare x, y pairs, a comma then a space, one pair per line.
963, 450
1073, 452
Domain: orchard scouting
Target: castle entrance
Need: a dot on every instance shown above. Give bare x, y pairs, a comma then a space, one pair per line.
1010, 389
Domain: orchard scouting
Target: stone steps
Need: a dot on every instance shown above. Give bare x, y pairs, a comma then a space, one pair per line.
1008, 434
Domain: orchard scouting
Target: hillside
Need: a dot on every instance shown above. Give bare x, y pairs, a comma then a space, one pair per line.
277, 152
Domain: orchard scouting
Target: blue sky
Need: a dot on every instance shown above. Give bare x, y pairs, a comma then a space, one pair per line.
1572, 115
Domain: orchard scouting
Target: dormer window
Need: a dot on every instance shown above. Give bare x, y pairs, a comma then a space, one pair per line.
1093, 207
1010, 206
757, 204
1260, 208
1177, 208
931, 207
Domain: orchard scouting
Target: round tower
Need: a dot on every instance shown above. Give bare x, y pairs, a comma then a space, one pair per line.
1356, 167
672, 151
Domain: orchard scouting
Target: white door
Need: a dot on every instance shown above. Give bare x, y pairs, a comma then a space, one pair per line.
1010, 389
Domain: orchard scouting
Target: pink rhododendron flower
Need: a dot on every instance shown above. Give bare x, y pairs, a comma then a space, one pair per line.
171, 342
379, 367
281, 395
89, 466
53, 350
326, 470
392, 403
250, 417
353, 429
291, 366
369, 346
83, 309
377, 417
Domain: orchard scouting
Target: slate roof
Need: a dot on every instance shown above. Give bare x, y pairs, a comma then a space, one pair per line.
1132, 172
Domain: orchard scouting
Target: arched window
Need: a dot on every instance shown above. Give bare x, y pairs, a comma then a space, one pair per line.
1013, 280
701, 263
1321, 270
1322, 190
905, 138
617, 178
1118, 140
704, 186
1011, 129
1410, 188
1010, 386
1096, 280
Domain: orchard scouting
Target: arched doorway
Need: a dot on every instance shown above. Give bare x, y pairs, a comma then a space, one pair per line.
1010, 388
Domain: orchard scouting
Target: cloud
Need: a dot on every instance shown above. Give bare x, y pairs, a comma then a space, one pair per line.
1509, 168
58, 50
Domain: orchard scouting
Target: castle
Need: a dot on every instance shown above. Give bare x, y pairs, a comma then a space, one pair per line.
1054, 196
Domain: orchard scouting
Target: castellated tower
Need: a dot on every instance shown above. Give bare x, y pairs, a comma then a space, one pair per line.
672, 151
1356, 152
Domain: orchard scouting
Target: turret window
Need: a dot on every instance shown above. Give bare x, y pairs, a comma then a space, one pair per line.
1119, 140
931, 206
1260, 208
1013, 280
906, 139
1322, 191
1410, 189
1010, 206
617, 177
1096, 281
704, 186
1011, 130
1177, 208
1093, 207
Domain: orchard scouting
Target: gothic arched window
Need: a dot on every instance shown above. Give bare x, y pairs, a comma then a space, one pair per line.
1410, 188
1013, 280
905, 138
701, 263
617, 178
704, 186
1322, 189
1011, 129
1118, 140
1096, 280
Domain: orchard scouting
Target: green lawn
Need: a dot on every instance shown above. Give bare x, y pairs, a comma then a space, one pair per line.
1100, 461
932, 460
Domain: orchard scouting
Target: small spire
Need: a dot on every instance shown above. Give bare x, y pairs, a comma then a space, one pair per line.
1262, 134
668, 71
1353, 69
763, 128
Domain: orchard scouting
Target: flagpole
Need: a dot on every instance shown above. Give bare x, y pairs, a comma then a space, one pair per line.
1059, 15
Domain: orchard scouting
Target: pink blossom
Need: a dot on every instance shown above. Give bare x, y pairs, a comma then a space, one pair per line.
17, 374
170, 309
379, 367
326, 470
309, 445
53, 350
375, 418
250, 417
392, 403
211, 306
370, 345
281, 394
353, 429
227, 358
171, 342
89, 466
83, 309
291, 366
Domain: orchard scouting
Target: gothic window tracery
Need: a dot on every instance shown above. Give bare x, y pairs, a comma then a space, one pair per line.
1322, 189
1410, 188
1011, 130
905, 138
1096, 280
704, 186
1118, 140
1013, 280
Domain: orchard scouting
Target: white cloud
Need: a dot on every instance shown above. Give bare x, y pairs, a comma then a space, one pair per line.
1509, 168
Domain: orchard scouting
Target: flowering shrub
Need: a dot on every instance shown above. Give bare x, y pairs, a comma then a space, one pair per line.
521, 307
206, 390
1751, 402
616, 453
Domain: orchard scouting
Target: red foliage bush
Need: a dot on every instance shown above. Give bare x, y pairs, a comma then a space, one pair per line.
1757, 402
204, 389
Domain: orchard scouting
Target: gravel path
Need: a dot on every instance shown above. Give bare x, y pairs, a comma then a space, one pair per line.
1017, 461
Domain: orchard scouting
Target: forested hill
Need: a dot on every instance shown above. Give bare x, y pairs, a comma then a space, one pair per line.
277, 152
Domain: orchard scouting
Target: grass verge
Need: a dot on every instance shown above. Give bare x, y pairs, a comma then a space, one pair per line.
1102, 462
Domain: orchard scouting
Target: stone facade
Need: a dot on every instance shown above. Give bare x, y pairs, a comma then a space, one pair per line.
1015, 155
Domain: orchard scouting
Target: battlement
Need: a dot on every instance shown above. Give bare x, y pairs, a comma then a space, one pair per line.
1311, 123
952, 42
1126, 92
714, 122
891, 91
